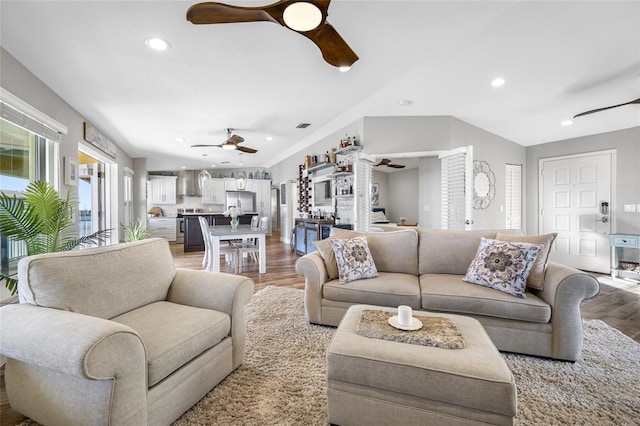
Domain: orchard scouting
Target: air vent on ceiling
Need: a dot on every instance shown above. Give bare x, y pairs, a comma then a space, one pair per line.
303, 125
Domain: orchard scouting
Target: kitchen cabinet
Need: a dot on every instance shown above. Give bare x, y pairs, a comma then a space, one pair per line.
310, 230
214, 192
262, 189
164, 227
162, 189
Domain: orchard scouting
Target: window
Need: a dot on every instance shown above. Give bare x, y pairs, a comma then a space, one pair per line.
22, 157
513, 203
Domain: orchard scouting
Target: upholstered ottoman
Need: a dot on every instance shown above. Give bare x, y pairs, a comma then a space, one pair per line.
372, 381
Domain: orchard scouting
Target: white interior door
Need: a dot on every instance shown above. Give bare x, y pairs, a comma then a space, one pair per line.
575, 192
457, 188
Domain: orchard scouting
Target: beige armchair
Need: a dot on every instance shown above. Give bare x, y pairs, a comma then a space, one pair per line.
118, 336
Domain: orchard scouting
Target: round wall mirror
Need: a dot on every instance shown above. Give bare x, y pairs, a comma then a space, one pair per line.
483, 185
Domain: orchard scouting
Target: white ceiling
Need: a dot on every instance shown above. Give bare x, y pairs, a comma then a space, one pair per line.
558, 59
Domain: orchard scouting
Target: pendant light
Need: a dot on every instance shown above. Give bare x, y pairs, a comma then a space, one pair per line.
204, 174
241, 181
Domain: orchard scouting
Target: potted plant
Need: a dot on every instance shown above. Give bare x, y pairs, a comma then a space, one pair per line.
136, 231
43, 221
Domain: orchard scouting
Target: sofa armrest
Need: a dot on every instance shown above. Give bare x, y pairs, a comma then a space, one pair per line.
312, 267
564, 289
70, 344
220, 292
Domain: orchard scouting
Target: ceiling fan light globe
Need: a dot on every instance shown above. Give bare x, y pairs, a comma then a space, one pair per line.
302, 16
344, 68
229, 146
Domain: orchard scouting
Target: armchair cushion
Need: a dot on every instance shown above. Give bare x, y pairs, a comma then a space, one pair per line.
85, 282
174, 334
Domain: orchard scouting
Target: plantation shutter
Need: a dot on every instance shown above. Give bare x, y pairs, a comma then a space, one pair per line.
362, 194
513, 203
456, 196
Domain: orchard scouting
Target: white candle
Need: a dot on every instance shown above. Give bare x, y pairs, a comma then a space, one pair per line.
404, 315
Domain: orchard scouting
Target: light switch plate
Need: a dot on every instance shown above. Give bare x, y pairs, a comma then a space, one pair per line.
629, 208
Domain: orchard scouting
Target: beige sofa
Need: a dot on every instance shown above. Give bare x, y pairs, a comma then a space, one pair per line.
424, 268
119, 336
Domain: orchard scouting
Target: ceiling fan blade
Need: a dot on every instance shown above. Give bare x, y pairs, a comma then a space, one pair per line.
235, 139
246, 149
219, 13
637, 101
205, 146
334, 49
397, 166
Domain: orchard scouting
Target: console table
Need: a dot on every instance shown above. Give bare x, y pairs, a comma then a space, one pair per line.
617, 243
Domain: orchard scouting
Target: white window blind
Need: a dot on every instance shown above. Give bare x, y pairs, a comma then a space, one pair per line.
513, 203
20, 113
454, 190
362, 194
128, 196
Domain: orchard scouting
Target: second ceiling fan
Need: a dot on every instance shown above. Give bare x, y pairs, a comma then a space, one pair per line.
308, 18
231, 143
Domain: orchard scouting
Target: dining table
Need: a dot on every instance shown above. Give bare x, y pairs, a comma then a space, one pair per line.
226, 232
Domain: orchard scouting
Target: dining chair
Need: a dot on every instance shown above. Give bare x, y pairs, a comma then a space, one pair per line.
251, 246
229, 251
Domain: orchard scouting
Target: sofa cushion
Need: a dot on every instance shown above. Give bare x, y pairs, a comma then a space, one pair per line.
174, 334
450, 252
535, 279
395, 251
353, 259
387, 289
503, 266
328, 256
448, 293
102, 282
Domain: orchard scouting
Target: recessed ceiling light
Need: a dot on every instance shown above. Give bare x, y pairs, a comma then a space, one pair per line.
181, 140
498, 82
269, 138
184, 167
156, 43
213, 165
566, 123
405, 102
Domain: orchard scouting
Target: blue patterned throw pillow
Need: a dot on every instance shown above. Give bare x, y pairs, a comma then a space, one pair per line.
503, 265
354, 259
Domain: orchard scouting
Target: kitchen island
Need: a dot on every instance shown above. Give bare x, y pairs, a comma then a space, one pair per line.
193, 235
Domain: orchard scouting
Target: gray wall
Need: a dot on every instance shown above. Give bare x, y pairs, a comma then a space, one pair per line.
627, 173
403, 195
22, 83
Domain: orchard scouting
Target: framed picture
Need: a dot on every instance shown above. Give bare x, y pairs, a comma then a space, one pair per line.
375, 195
71, 171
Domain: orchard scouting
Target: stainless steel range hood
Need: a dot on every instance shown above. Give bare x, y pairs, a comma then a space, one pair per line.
188, 183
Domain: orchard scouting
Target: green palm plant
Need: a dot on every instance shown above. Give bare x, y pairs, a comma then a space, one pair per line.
43, 221
136, 231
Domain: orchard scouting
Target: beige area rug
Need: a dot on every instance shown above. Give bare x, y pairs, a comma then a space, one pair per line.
282, 381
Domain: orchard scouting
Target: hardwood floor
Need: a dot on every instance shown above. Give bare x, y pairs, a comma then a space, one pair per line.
620, 308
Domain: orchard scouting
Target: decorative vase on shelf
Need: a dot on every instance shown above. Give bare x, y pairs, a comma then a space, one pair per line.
234, 223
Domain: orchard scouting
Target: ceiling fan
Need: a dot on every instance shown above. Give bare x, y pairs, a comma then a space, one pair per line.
308, 17
388, 163
231, 143
637, 101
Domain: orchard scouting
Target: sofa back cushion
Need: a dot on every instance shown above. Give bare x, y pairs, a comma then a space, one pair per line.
102, 282
395, 251
451, 252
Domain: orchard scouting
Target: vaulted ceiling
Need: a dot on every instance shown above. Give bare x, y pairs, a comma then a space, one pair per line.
557, 58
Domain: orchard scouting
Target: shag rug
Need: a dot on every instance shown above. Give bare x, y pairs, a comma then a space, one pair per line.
283, 378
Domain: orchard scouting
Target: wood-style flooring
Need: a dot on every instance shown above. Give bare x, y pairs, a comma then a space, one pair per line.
620, 308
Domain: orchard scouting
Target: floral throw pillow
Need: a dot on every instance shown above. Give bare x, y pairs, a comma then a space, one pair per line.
503, 265
354, 259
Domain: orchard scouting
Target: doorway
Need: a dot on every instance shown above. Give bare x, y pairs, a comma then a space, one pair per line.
575, 194
91, 195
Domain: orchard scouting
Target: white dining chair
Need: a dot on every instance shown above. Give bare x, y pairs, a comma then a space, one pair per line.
251, 247
230, 252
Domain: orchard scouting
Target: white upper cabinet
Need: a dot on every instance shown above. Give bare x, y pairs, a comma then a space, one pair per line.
213, 192
162, 189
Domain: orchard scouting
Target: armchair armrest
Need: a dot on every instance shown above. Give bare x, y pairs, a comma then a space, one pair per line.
220, 292
70, 344
312, 267
564, 289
